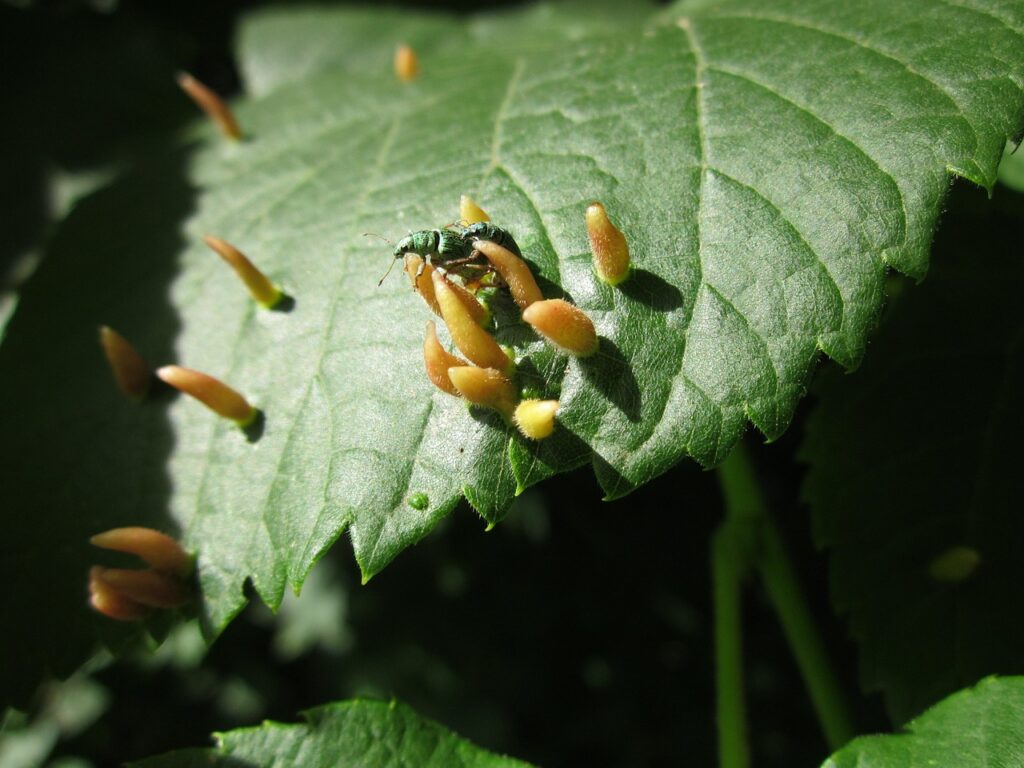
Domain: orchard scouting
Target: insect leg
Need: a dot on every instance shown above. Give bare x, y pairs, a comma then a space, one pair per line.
423, 265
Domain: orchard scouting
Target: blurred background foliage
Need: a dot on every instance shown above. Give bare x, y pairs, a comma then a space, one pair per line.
576, 633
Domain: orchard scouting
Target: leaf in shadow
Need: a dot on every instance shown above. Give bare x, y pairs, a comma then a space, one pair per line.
62, 415
917, 454
344, 734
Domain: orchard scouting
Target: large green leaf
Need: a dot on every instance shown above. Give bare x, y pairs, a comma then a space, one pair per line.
977, 728
343, 735
916, 454
767, 161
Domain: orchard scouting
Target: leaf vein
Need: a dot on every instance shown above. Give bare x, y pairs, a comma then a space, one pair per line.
698, 84
838, 134
410, 466
757, 337
863, 45
793, 228
987, 14
501, 115
379, 161
545, 230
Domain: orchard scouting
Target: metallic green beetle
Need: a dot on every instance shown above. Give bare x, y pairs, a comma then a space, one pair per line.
452, 249
484, 230
441, 245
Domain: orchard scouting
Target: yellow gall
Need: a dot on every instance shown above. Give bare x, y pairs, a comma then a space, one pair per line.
472, 340
480, 314
420, 275
158, 550
111, 603
212, 104
470, 212
608, 244
487, 387
211, 392
407, 64
564, 325
130, 371
438, 360
954, 565
262, 290
423, 284
513, 270
146, 587
536, 418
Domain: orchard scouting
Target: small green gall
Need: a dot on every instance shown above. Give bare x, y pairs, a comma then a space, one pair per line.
954, 565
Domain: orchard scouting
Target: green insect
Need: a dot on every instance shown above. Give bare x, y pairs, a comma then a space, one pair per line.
484, 230
452, 249
441, 245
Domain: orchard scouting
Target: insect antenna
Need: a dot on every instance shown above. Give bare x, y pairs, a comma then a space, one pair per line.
380, 237
390, 267
389, 242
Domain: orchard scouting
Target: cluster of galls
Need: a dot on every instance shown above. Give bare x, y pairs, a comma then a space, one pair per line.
134, 378
130, 594
487, 378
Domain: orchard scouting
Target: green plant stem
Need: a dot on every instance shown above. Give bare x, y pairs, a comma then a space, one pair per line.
727, 570
758, 544
780, 582
731, 560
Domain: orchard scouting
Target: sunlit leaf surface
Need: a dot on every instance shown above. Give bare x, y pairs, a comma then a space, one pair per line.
767, 161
